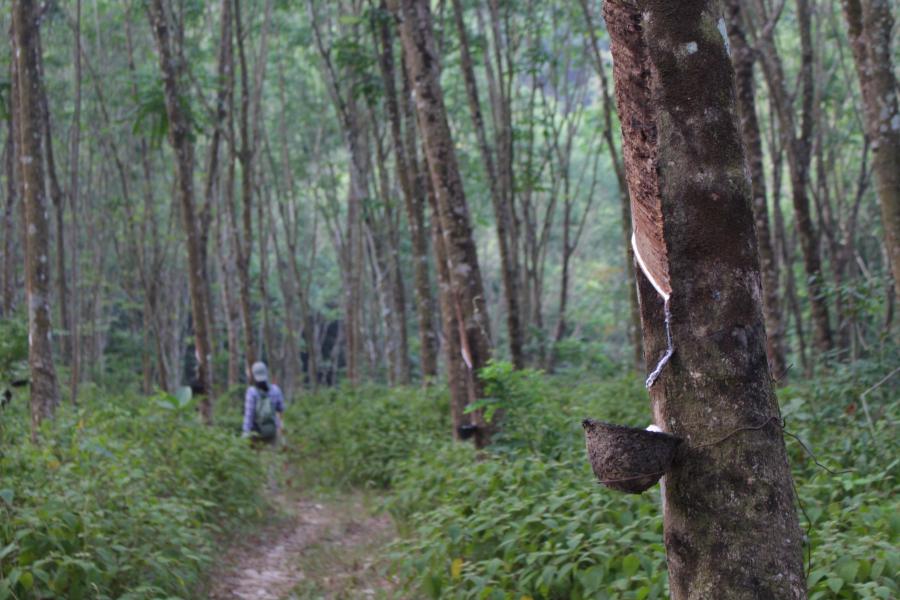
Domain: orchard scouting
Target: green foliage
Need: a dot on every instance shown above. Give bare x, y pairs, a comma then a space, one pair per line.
13, 350
529, 520
526, 520
357, 437
122, 499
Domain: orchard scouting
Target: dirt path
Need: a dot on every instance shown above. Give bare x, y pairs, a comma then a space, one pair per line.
324, 548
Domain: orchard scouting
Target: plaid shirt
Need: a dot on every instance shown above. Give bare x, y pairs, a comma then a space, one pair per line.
250, 399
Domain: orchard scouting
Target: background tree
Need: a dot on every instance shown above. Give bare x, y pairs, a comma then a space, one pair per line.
30, 130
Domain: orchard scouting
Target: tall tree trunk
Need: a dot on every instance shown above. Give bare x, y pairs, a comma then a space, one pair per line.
699, 282
28, 87
870, 26
58, 200
353, 249
459, 377
423, 65
742, 59
500, 196
797, 147
386, 243
407, 174
74, 201
419, 180
213, 186
9, 208
171, 64
244, 243
634, 328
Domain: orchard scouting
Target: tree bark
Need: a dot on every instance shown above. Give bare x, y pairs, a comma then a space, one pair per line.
500, 196
58, 200
731, 531
742, 59
244, 244
74, 202
634, 327
798, 154
28, 87
407, 174
171, 64
870, 25
9, 209
462, 258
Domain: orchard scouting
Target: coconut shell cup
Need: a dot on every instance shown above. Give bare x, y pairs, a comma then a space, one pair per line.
628, 459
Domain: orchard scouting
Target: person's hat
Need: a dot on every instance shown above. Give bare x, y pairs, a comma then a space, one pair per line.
260, 372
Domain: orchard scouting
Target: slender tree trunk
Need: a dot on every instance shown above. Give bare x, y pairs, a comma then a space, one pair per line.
798, 154
697, 249
419, 180
783, 249
9, 209
353, 261
213, 186
870, 29
171, 66
268, 350
244, 244
561, 324
59, 205
634, 328
74, 202
28, 87
407, 175
423, 65
500, 200
387, 247
742, 59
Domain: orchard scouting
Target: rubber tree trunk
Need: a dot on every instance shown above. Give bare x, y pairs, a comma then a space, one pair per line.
244, 245
798, 154
731, 531
500, 198
742, 59
10, 251
170, 65
634, 326
407, 172
869, 24
44, 388
423, 65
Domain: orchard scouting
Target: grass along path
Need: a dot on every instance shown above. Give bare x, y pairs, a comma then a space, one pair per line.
322, 546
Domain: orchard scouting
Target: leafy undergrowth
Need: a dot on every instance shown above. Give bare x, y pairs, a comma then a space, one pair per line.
124, 498
526, 520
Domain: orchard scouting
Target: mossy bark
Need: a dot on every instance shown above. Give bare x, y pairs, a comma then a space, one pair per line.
731, 531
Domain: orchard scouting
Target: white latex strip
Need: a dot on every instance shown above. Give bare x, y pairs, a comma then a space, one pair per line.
670, 346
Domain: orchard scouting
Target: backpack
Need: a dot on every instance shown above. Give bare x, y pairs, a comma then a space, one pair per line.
264, 417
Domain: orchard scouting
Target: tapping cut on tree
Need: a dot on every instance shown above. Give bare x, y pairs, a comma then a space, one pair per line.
699, 285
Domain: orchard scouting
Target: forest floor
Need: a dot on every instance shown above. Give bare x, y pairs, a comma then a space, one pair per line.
315, 546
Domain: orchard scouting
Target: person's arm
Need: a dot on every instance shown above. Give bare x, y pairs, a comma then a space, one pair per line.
249, 409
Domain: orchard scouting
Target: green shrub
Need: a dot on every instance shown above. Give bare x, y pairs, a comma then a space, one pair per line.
526, 520
122, 499
356, 437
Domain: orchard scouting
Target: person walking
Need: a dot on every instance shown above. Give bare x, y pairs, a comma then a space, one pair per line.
263, 407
